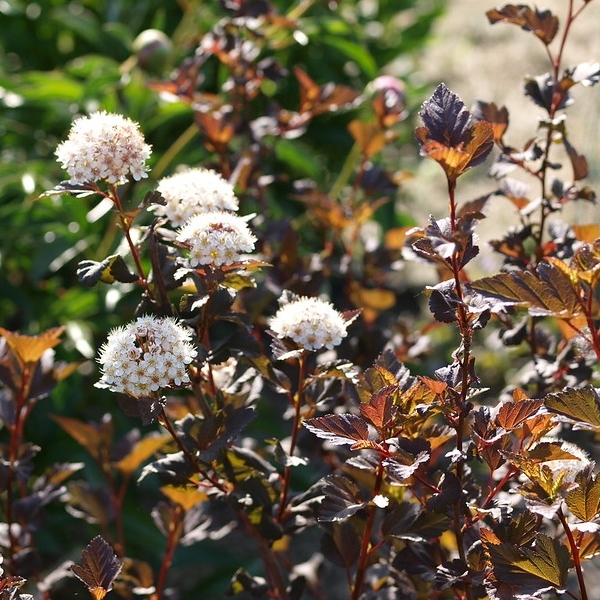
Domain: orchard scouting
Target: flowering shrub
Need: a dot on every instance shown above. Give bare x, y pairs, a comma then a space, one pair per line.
279, 407
104, 147
194, 191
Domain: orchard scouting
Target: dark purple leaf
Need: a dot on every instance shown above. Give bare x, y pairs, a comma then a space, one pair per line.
342, 499
542, 22
339, 429
446, 117
98, 567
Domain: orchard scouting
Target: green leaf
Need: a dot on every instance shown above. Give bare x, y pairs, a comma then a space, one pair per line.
546, 561
581, 405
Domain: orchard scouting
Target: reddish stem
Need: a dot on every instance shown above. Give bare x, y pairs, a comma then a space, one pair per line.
365, 547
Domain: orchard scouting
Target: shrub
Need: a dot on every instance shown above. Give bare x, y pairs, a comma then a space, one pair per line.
289, 422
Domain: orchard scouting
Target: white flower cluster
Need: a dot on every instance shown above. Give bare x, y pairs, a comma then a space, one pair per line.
310, 322
104, 147
216, 238
193, 192
147, 355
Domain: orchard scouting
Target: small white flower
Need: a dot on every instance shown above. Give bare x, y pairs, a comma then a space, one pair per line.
145, 356
192, 192
381, 501
216, 238
104, 147
310, 322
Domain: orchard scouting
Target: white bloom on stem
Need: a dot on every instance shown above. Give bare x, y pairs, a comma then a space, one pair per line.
216, 238
310, 322
104, 147
145, 356
192, 192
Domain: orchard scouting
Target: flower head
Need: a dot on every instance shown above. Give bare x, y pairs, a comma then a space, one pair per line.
192, 192
310, 322
216, 238
144, 356
104, 147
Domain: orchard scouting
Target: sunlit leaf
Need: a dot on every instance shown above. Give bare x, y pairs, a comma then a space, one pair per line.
580, 405
543, 23
86, 435
369, 136
512, 414
587, 74
186, 497
98, 567
143, 449
318, 99
578, 161
379, 410
339, 429
584, 500
30, 348
547, 292
547, 451
111, 269
496, 116
547, 560
449, 137
402, 470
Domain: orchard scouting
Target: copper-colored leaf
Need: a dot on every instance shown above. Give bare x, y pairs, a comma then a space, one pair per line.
584, 500
372, 300
543, 23
588, 232
98, 567
317, 99
547, 451
379, 410
29, 348
589, 545
578, 161
547, 561
435, 385
580, 405
186, 497
142, 450
449, 137
496, 116
547, 292
369, 136
339, 429
512, 414
84, 434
